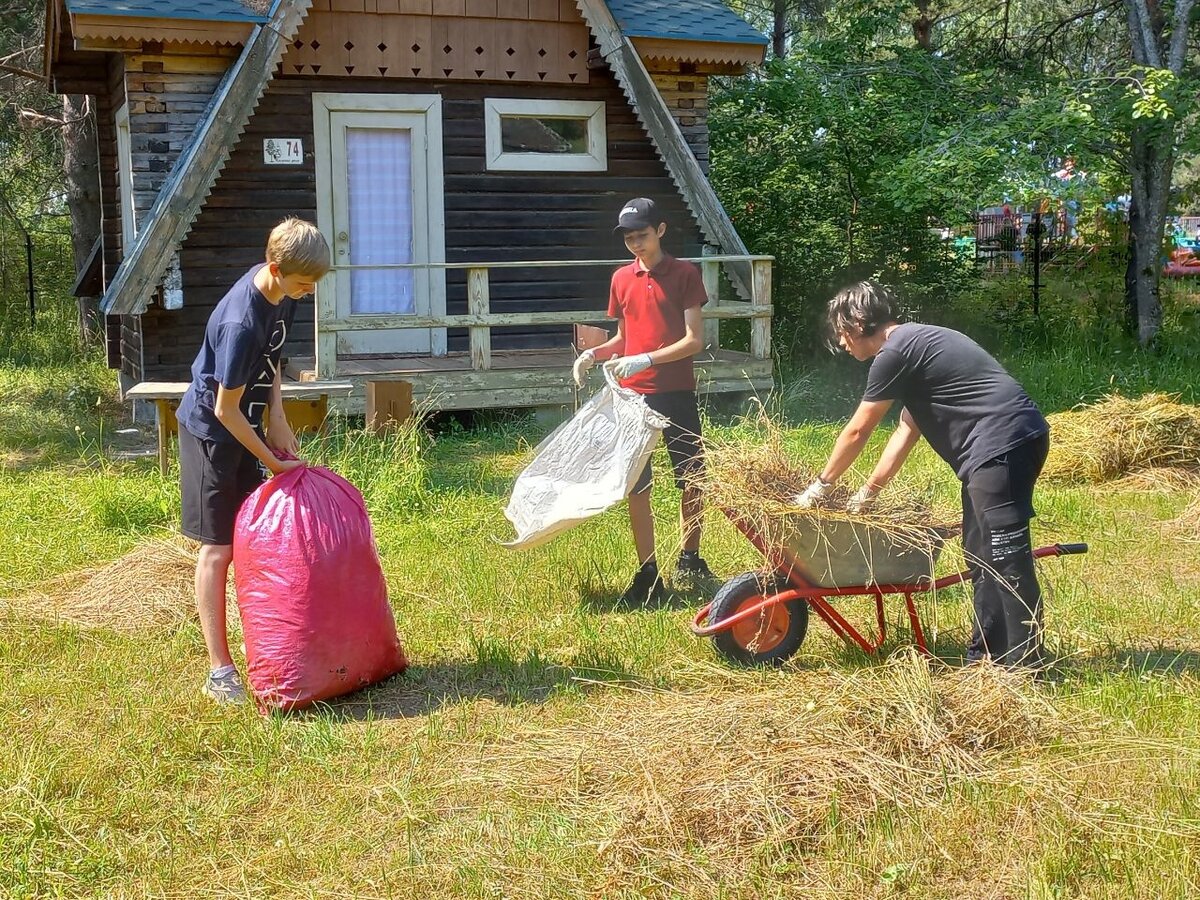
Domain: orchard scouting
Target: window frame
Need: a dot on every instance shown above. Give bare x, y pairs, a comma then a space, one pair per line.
124, 143
594, 111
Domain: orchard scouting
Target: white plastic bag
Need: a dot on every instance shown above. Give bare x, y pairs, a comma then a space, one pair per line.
584, 466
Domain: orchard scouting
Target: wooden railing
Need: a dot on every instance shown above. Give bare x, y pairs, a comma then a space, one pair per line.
479, 320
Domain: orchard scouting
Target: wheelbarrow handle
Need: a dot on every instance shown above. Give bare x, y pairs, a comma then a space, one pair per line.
1059, 550
1070, 549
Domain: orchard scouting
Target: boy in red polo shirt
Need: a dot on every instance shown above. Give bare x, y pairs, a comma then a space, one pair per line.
656, 301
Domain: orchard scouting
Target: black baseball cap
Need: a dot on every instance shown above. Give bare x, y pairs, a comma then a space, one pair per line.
640, 212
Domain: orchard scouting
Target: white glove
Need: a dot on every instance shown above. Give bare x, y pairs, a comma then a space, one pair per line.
812, 495
863, 499
582, 366
627, 366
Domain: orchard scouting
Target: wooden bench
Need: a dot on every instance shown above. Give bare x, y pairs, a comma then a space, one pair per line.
306, 404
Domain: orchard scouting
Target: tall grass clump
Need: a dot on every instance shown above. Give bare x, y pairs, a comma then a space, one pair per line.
390, 469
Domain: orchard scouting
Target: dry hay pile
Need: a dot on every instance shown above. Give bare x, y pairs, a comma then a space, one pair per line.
152, 586
734, 772
758, 480
1118, 436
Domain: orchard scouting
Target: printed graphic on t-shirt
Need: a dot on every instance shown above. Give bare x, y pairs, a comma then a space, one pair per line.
258, 395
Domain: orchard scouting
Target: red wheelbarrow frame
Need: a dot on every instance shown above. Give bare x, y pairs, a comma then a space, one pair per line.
817, 598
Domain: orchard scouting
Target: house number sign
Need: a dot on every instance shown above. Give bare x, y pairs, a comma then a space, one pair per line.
283, 151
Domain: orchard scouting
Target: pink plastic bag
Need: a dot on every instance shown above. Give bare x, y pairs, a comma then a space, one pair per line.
310, 591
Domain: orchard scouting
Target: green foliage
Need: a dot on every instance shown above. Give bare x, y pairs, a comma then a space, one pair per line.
837, 158
804, 158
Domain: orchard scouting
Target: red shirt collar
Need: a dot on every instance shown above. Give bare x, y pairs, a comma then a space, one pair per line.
658, 269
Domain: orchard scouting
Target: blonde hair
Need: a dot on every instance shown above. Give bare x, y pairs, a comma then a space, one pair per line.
298, 248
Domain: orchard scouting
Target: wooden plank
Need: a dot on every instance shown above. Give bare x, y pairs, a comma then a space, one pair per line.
523, 388
760, 328
512, 9
710, 272
174, 390
389, 403
305, 416
479, 304
326, 341
685, 170
500, 320
548, 263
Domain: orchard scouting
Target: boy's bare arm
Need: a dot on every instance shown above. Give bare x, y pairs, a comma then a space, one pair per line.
614, 346
229, 413
899, 446
280, 436
854, 437
690, 344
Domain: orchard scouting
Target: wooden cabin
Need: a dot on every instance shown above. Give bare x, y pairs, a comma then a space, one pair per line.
466, 160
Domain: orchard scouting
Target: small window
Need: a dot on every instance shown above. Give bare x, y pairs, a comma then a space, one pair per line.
546, 135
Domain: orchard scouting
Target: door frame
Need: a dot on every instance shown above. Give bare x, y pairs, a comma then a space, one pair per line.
428, 105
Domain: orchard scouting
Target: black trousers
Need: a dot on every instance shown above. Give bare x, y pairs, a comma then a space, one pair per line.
997, 503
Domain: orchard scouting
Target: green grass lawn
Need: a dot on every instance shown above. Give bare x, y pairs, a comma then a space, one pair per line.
547, 745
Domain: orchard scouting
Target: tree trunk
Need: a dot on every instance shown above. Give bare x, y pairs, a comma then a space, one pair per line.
81, 165
779, 30
1152, 161
923, 26
1152, 152
1131, 271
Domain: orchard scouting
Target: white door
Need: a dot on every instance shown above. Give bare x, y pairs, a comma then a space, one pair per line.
384, 208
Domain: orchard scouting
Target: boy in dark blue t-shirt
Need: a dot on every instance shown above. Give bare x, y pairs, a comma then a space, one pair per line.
235, 381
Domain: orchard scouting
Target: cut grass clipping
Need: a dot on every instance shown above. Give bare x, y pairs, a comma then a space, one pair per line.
756, 479
739, 775
152, 586
1117, 436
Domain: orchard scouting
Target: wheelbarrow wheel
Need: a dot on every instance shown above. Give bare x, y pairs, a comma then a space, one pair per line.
770, 638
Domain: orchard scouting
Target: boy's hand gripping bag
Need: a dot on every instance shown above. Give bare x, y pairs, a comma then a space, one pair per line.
584, 466
310, 591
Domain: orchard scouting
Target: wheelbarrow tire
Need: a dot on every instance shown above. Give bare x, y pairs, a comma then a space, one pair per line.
769, 639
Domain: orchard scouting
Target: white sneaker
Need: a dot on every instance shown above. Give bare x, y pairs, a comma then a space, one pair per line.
225, 689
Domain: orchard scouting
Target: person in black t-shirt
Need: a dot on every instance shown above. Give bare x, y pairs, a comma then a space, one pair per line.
222, 445
982, 423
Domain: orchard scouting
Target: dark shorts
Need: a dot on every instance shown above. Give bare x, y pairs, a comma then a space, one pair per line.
214, 478
682, 437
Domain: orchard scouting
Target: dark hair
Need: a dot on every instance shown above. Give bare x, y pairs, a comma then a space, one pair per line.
867, 305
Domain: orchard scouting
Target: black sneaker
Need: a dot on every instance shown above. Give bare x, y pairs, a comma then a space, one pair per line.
646, 589
692, 567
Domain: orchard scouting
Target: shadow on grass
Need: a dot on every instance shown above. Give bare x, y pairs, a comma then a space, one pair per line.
497, 675
1134, 662
607, 599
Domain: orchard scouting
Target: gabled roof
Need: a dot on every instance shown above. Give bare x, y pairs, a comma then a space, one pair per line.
201, 10
683, 20
200, 161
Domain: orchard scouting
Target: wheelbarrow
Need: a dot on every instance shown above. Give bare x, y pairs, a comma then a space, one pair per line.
761, 618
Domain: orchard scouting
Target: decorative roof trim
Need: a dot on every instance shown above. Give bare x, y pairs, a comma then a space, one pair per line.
699, 51
140, 28
201, 161
164, 11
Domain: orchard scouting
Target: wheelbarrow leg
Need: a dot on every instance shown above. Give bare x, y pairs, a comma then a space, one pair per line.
914, 619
